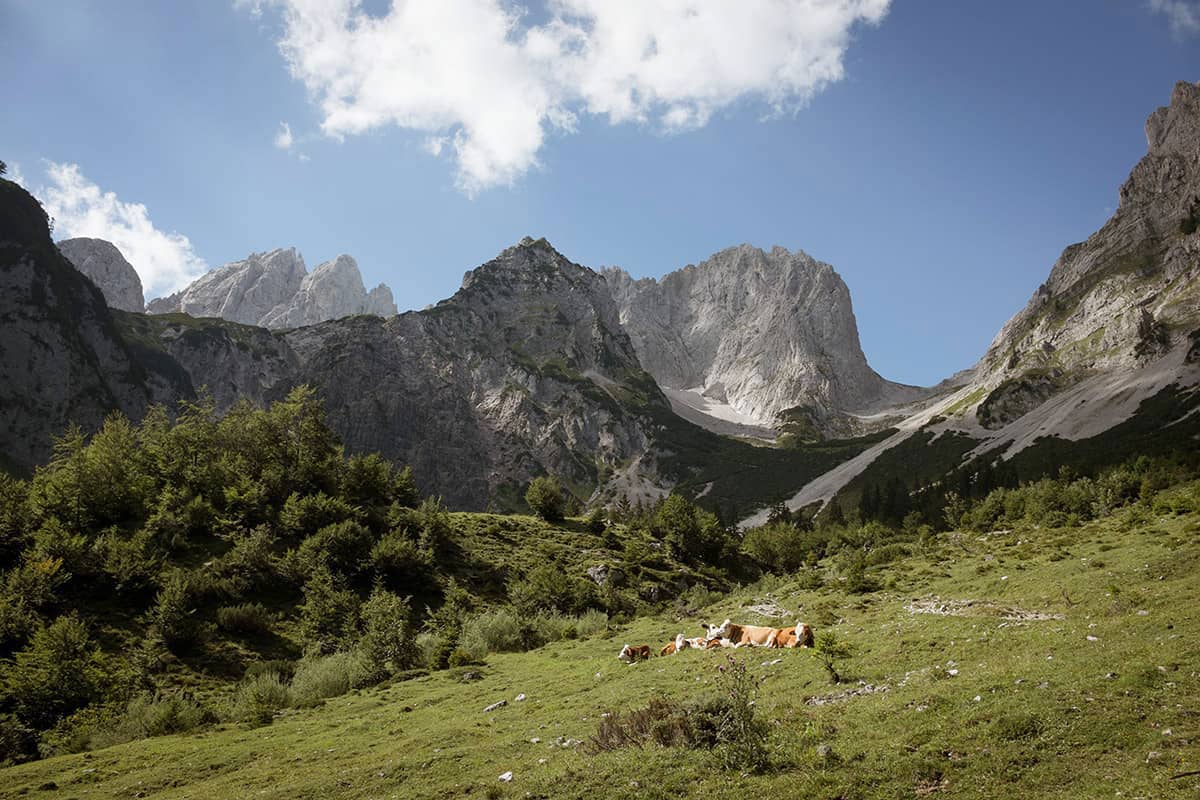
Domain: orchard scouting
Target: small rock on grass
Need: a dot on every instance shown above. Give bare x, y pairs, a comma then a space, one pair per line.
494, 706
506, 776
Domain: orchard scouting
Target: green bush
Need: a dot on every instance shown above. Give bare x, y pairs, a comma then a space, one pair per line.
160, 714
60, 671
742, 736
783, 548
496, 631
173, 615
591, 622
328, 676
344, 547
18, 741
304, 515
329, 614
259, 697
251, 619
387, 645
545, 498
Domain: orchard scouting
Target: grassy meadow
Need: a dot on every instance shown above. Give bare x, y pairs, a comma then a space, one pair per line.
1034, 662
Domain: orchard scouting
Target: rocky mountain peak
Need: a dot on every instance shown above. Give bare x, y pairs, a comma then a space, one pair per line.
275, 290
113, 275
1175, 128
748, 334
1126, 293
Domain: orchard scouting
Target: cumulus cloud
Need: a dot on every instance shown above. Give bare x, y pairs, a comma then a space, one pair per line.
1183, 15
283, 139
164, 261
484, 83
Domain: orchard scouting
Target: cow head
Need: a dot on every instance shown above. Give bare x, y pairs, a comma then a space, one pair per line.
717, 631
681, 643
626, 654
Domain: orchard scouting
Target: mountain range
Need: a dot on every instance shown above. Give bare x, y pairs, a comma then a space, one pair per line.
621, 387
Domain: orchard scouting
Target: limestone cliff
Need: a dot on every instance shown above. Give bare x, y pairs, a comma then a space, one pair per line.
753, 333
103, 263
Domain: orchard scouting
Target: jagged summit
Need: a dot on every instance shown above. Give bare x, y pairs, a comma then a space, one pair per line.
275, 290
748, 334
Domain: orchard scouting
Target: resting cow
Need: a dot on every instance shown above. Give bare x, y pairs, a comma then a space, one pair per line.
631, 653
799, 635
740, 635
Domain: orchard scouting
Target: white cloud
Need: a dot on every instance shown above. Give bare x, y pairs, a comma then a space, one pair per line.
480, 81
1183, 15
283, 139
164, 261
14, 174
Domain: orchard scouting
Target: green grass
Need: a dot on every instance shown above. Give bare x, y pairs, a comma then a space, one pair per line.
1049, 721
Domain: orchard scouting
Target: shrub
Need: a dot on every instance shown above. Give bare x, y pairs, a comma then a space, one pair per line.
591, 622
60, 671
250, 619
496, 631
832, 651
783, 548
344, 547
329, 614
430, 650
743, 737
159, 714
248, 565
303, 515
328, 676
545, 498
387, 645
172, 615
259, 697
18, 741
400, 560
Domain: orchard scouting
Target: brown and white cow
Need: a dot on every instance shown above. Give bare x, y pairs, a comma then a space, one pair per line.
681, 642
739, 635
799, 635
632, 653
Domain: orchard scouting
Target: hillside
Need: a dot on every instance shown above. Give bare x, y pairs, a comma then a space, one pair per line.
1031, 662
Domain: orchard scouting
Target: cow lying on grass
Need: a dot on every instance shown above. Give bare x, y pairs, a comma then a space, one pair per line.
739, 635
682, 643
799, 635
632, 653
730, 634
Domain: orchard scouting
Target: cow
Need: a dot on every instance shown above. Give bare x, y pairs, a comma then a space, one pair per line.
739, 635
683, 643
799, 635
634, 653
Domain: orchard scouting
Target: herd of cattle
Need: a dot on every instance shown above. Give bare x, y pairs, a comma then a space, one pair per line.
727, 634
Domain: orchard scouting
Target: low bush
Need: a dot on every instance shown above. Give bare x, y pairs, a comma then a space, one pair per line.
328, 676
152, 715
258, 698
249, 619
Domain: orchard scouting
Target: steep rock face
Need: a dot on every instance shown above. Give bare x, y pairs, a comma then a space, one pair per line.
1127, 294
759, 332
62, 358
331, 291
103, 263
525, 370
245, 291
275, 290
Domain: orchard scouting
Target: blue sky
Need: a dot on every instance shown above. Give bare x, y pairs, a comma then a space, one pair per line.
938, 155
